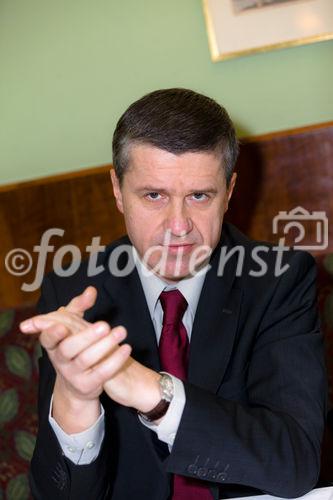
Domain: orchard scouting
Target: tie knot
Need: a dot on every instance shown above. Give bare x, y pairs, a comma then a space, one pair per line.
174, 305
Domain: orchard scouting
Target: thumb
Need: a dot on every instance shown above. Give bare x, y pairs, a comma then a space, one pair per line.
82, 302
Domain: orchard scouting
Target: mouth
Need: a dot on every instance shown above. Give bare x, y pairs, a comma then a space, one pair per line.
180, 249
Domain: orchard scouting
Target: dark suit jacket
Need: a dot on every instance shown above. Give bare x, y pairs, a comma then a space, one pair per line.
255, 396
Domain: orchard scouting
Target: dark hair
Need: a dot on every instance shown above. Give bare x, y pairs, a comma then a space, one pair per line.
179, 121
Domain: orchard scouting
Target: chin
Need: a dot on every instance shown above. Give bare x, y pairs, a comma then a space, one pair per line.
171, 272
174, 275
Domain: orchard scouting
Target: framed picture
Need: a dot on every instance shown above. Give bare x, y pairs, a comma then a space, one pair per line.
242, 27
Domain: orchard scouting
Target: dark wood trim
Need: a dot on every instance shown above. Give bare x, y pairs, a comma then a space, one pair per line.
286, 133
49, 179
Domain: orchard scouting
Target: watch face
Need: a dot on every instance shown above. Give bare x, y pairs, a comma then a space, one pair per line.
166, 387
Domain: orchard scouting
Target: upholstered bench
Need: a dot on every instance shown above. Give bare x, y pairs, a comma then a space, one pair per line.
18, 402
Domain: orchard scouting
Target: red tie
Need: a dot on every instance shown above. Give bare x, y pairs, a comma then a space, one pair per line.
174, 354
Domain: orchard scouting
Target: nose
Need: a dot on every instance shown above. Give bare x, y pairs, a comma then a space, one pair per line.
178, 220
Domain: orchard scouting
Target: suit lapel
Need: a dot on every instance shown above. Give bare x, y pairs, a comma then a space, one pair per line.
130, 309
215, 325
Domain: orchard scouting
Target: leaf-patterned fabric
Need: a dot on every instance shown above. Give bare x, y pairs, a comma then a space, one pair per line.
18, 403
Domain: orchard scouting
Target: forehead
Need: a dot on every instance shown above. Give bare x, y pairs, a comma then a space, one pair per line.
147, 163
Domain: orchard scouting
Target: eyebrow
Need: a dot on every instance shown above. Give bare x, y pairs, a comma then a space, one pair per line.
208, 190
151, 189
155, 189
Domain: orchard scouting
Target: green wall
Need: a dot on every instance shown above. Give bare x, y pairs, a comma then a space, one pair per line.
70, 67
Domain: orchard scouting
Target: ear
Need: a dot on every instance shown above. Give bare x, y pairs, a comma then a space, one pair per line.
117, 191
230, 190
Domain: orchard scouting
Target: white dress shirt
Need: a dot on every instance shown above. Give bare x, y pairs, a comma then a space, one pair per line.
84, 447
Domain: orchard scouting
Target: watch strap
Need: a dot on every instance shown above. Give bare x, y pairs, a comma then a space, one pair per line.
166, 387
157, 412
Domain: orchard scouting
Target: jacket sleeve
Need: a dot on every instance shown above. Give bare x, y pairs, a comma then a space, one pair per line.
51, 474
270, 439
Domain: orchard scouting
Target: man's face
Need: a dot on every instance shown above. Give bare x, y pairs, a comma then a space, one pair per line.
173, 205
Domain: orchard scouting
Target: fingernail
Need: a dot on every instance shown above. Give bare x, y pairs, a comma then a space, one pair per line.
101, 328
119, 333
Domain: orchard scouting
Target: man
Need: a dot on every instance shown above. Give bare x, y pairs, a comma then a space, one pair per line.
239, 407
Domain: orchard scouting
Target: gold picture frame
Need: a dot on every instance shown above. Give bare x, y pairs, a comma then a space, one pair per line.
238, 28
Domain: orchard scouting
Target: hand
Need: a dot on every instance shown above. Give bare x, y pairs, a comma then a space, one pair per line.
87, 358
84, 356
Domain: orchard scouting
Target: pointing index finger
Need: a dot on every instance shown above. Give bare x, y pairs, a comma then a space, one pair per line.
78, 305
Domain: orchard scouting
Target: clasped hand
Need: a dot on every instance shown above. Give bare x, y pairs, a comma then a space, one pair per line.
88, 357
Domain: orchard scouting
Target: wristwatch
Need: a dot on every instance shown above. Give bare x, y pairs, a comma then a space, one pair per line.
167, 390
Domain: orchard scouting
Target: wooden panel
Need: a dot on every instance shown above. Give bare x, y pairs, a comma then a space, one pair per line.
279, 172
82, 205
276, 172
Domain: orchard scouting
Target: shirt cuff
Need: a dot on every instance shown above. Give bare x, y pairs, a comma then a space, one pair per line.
167, 429
83, 447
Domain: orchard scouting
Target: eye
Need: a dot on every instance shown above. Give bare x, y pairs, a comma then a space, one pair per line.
153, 196
200, 196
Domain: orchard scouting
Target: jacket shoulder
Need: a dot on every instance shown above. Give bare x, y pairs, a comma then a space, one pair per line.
61, 285
274, 255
